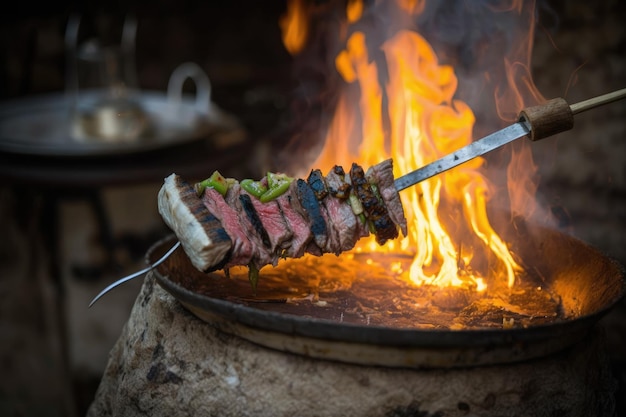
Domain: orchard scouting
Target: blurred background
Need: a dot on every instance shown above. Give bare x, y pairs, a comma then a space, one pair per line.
53, 348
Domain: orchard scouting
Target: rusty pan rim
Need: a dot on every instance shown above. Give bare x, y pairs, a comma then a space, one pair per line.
316, 328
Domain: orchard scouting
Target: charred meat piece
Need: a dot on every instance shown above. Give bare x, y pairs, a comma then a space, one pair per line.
336, 182
307, 205
333, 245
318, 184
382, 175
342, 219
374, 207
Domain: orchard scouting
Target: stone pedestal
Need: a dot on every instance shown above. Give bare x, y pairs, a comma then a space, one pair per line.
167, 362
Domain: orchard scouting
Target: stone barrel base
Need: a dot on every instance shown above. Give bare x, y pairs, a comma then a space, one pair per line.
167, 362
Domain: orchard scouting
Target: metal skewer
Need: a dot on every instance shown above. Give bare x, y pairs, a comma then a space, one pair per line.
135, 274
537, 122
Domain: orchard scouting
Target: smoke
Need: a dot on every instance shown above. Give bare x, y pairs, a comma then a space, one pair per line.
488, 43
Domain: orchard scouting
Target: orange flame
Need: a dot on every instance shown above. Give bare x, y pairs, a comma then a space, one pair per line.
354, 10
401, 104
294, 26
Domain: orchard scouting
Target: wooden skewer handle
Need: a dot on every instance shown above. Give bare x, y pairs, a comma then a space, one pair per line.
556, 116
547, 119
598, 101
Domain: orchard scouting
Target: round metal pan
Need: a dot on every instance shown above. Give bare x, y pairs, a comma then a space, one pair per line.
42, 126
588, 283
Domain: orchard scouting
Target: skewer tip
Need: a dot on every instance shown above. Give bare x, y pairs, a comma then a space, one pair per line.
134, 274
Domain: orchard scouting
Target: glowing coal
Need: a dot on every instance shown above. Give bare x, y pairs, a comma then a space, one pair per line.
343, 290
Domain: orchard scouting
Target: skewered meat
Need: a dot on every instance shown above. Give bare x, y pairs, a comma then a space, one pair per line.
382, 176
200, 233
374, 207
223, 223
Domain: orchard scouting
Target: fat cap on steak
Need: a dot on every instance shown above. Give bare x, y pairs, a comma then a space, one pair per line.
200, 233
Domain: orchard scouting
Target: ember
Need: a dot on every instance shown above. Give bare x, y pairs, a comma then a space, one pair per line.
342, 290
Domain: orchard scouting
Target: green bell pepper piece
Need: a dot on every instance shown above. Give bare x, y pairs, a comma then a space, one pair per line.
215, 181
355, 203
256, 188
276, 191
276, 179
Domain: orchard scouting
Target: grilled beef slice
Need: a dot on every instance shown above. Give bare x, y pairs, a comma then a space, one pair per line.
336, 182
343, 222
307, 205
262, 255
318, 184
374, 208
243, 248
333, 243
299, 225
274, 223
382, 174
253, 217
342, 217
